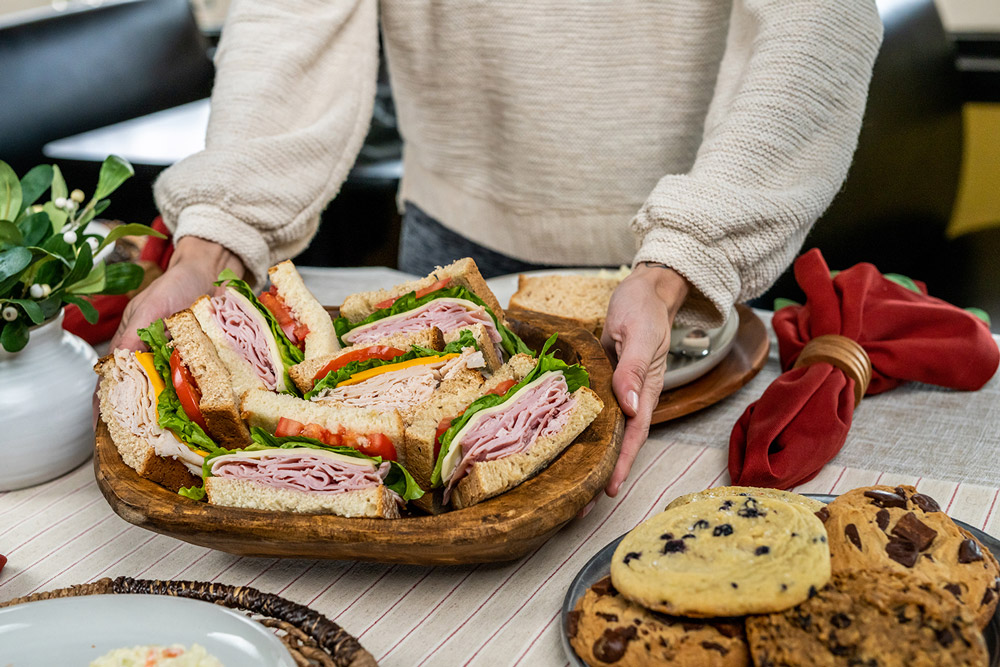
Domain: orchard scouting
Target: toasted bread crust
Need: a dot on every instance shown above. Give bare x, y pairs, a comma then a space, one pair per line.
375, 502
582, 299
218, 400
321, 339
490, 478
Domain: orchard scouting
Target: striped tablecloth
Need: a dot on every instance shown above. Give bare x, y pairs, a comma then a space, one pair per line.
63, 532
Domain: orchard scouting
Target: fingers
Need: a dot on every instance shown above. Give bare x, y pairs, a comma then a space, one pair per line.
636, 431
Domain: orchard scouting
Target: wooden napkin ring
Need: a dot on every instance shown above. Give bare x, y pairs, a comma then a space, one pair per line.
844, 353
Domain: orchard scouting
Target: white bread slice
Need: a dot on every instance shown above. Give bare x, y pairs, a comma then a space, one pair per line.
417, 453
303, 373
218, 400
463, 272
490, 478
243, 377
136, 452
376, 502
583, 299
265, 409
321, 339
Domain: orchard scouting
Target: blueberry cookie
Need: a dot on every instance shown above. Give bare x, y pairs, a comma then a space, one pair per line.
727, 491
865, 618
727, 556
606, 629
899, 529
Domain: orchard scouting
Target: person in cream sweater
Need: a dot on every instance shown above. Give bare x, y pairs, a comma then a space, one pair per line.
697, 141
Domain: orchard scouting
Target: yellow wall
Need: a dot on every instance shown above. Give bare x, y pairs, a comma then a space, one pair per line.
978, 202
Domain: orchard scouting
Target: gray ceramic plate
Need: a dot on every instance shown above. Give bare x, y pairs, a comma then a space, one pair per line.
600, 566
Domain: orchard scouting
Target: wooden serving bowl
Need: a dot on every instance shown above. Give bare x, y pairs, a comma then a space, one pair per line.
502, 528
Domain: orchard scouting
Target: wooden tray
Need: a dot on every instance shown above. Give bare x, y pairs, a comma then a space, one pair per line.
747, 356
502, 528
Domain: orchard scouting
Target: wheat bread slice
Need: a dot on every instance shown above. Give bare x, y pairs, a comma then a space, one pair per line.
580, 298
136, 453
483, 342
321, 339
218, 402
490, 478
375, 502
303, 374
357, 307
242, 375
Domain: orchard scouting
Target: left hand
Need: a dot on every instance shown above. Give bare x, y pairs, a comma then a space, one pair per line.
637, 334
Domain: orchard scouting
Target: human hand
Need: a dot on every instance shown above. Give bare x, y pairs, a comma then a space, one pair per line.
637, 334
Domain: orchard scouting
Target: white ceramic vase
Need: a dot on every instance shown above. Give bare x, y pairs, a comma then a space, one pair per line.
45, 406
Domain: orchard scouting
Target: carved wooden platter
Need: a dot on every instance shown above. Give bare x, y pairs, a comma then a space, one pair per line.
499, 529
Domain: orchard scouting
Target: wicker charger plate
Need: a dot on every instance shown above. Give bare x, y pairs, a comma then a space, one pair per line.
499, 529
312, 639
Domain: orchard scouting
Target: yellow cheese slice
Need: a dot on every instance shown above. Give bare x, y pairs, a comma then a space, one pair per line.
389, 368
146, 361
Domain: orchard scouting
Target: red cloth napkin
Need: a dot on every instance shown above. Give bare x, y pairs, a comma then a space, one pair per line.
111, 306
801, 420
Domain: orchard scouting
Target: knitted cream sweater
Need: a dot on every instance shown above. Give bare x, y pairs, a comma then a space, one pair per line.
545, 129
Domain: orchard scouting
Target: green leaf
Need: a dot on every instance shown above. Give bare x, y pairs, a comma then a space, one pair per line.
35, 227
91, 213
57, 216
86, 308
133, 229
13, 261
122, 277
10, 192
10, 233
114, 172
14, 336
34, 184
192, 492
981, 314
59, 188
782, 302
93, 283
31, 309
83, 264
51, 306
55, 246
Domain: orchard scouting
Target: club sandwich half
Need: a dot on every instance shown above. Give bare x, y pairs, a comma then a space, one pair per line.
301, 474
451, 298
168, 408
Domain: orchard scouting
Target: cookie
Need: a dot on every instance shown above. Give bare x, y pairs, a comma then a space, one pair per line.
865, 618
606, 629
727, 491
899, 529
727, 556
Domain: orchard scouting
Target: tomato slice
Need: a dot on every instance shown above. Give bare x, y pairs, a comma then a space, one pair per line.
442, 428
287, 427
382, 352
187, 390
441, 284
294, 330
502, 388
377, 445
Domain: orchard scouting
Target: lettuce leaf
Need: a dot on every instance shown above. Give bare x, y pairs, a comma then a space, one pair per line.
510, 342
170, 414
576, 377
334, 378
398, 479
290, 353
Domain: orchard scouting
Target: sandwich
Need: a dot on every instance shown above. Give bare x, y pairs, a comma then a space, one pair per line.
301, 474
372, 431
384, 376
161, 406
451, 298
248, 337
501, 440
301, 317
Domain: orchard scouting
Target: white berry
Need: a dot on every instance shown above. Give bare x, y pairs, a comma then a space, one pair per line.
70, 237
60, 202
77, 196
10, 313
36, 291
46, 290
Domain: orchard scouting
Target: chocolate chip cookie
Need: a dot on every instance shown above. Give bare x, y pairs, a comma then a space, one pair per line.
606, 629
865, 618
728, 491
726, 556
899, 529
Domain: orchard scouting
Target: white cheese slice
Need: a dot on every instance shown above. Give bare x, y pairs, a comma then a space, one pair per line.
304, 451
272, 344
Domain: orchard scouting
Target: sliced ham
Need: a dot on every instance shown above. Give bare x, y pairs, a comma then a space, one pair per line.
402, 389
446, 314
244, 332
134, 404
540, 409
301, 470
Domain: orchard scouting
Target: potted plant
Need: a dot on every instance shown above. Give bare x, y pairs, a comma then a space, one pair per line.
47, 260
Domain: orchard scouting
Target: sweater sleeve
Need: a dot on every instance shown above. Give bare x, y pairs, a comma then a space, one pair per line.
778, 140
292, 102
